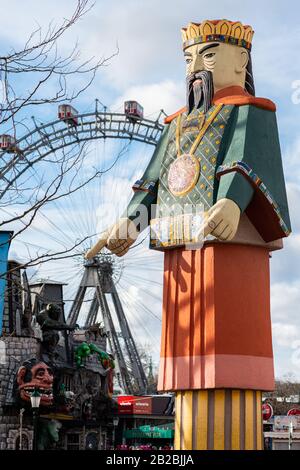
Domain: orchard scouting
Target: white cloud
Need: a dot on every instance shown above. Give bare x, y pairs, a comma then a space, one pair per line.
284, 334
285, 301
285, 263
286, 342
291, 159
21, 18
167, 95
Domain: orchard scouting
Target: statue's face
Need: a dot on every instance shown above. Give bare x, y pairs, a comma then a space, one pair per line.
227, 63
53, 428
40, 377
53, 311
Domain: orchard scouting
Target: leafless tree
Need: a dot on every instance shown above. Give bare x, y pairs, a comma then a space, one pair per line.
151, 371
285, 396
41, 62
28, 186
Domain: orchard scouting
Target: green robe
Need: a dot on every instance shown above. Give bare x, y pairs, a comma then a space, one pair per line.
240, 160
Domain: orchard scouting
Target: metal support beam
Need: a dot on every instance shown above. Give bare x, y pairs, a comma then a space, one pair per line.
93, 312
76, 306
114, 341
98, 274
134, 358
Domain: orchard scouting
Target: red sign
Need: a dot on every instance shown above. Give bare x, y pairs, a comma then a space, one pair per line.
156, 405
142, 406
293, 412
125, 404
128, 404
267, 411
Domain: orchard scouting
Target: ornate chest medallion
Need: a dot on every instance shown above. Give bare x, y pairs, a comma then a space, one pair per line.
183, 174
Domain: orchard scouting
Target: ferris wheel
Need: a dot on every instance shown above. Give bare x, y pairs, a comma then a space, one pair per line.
89, 162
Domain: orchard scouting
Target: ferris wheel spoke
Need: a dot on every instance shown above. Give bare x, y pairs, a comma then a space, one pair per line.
128, 301
144, 307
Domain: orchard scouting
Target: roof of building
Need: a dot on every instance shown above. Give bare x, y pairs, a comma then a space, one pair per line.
38, 282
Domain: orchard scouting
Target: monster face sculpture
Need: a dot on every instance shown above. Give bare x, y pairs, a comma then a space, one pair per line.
35, 375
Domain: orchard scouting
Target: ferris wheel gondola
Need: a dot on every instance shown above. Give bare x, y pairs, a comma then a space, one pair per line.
8, 144
133, 110
68, 114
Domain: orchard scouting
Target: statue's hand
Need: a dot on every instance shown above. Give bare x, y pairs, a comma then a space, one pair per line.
101, 243
122, 236
222, 220
117, 238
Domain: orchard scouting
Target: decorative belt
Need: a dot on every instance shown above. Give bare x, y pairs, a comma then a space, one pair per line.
175, 231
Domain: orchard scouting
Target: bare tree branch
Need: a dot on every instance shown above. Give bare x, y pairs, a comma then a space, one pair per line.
27, 187
40, 59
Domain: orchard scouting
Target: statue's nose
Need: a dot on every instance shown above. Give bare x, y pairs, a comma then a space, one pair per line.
48, 378
197, 64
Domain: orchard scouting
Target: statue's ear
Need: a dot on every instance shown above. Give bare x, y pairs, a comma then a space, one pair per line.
20, 375
243, 61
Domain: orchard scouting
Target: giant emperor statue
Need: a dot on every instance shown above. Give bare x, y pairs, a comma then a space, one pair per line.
221, 151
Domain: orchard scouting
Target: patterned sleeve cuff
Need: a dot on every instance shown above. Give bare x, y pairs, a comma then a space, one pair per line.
144, 185
266, 200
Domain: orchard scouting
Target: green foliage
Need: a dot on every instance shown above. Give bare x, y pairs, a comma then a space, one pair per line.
84, 350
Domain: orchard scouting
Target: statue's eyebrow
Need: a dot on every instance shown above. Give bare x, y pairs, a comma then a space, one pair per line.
209, 46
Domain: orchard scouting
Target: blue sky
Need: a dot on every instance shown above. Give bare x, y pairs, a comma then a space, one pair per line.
150, 68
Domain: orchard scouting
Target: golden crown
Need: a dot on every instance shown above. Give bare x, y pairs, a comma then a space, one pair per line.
218, 30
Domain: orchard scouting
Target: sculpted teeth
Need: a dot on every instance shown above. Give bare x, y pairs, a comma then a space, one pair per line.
46, 393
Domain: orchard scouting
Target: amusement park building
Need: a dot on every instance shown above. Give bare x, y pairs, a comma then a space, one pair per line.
76, 406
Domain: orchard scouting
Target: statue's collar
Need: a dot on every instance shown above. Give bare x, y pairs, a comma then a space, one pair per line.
232, 95
236, 95
230, 91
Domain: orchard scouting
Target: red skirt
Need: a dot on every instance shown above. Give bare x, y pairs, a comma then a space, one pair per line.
216, 330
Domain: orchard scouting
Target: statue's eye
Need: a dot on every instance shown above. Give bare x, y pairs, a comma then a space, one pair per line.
188, 61
209, 56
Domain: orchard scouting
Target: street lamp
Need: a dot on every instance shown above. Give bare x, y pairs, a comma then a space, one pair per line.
291, 430
115, 423
35, 399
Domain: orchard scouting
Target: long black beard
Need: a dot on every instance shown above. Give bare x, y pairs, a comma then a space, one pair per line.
199, 94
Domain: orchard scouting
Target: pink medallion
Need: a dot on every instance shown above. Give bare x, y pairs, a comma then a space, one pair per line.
183, 174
